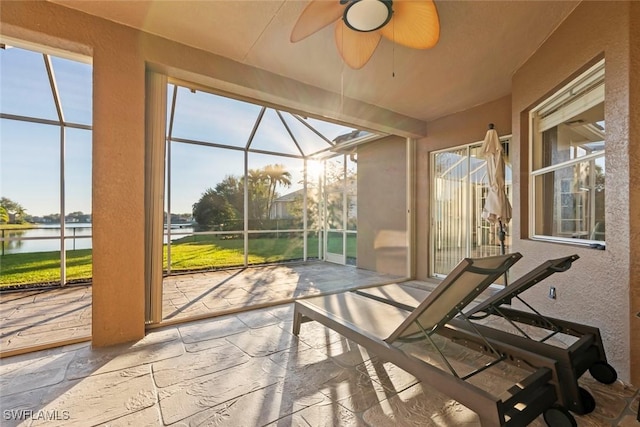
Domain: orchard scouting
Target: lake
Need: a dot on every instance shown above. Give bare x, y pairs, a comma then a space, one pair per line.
46, 237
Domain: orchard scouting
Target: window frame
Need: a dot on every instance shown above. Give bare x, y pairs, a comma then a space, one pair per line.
587, 89
63, 126
468, 147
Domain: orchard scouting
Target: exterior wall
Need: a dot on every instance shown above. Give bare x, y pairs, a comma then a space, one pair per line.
382, 232
451, 131
634, 196
596, 290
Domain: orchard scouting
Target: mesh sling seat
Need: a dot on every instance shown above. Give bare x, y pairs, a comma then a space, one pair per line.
585, 353
380, 327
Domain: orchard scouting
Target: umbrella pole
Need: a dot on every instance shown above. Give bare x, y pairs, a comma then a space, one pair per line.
501, 237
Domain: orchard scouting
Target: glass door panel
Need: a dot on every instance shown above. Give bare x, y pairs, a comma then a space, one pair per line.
334, 200
335, 247
459, 190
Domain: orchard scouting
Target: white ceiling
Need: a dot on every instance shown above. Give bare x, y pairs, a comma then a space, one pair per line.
482, 44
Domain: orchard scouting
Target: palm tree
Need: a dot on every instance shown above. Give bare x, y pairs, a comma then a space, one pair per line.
258, 193
276, 175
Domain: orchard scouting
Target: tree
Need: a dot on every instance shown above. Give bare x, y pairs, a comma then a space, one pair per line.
15, 211
4, 215
296, 207
226, 201
275, 175
258, 184
232, 189
212, 211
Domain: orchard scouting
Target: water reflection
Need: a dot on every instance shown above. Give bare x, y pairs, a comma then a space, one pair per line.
46, 238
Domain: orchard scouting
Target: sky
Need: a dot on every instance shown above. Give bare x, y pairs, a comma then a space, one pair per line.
30, 152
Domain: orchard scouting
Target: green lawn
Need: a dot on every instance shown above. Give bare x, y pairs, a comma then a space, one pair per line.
43, 267
17, 226
189, 253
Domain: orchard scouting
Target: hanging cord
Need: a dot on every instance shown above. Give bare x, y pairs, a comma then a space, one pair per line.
342, 75
342, 89
393, 55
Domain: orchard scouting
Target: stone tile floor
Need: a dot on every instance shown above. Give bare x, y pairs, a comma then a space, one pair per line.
37, 317
31, 318
247, 369
223, 291
242, 369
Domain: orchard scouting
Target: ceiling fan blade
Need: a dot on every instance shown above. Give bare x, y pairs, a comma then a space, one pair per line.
356, 48
414, 24
317, 15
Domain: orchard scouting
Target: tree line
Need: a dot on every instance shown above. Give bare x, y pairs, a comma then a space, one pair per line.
222, 207
11, 212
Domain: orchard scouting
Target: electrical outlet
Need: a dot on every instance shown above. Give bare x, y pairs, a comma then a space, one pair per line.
552, 292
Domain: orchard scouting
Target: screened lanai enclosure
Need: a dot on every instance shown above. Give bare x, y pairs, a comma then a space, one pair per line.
235, 184
45, 168
249, 184
242, 184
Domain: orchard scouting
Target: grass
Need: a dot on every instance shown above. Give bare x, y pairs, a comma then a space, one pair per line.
188, 253
17, 226
43, 267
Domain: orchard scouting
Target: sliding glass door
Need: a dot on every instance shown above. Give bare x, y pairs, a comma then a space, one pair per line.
459, 186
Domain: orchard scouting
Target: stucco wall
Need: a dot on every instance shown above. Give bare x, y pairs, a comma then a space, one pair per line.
382, 231
457, 129
596, 289
634, 196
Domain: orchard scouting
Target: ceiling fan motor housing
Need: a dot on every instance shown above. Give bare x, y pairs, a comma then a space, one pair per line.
367, 15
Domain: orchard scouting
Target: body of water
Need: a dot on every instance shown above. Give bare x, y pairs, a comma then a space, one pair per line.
46, 237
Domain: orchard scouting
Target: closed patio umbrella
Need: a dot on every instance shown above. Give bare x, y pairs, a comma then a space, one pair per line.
497, 208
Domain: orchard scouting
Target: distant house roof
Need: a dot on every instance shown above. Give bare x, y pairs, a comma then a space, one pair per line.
340, 139
290, 197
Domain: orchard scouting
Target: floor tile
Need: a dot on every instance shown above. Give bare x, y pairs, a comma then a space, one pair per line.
95, 361
193, 365
211, 329
247, 369
263, 341
100, 398
188, 398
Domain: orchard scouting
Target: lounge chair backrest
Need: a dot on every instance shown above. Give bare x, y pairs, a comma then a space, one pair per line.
461, 286
523, 283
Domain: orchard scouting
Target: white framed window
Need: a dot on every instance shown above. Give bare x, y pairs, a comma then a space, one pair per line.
567, 162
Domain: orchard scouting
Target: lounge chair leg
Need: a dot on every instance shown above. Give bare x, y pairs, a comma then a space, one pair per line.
297, 321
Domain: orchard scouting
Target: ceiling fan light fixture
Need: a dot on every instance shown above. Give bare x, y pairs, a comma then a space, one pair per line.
367, 15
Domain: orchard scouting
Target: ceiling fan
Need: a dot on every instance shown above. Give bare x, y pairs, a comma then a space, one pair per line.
360, 24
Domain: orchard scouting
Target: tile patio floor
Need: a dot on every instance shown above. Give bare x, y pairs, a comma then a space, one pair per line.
242, 369
248, 369
32, 318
